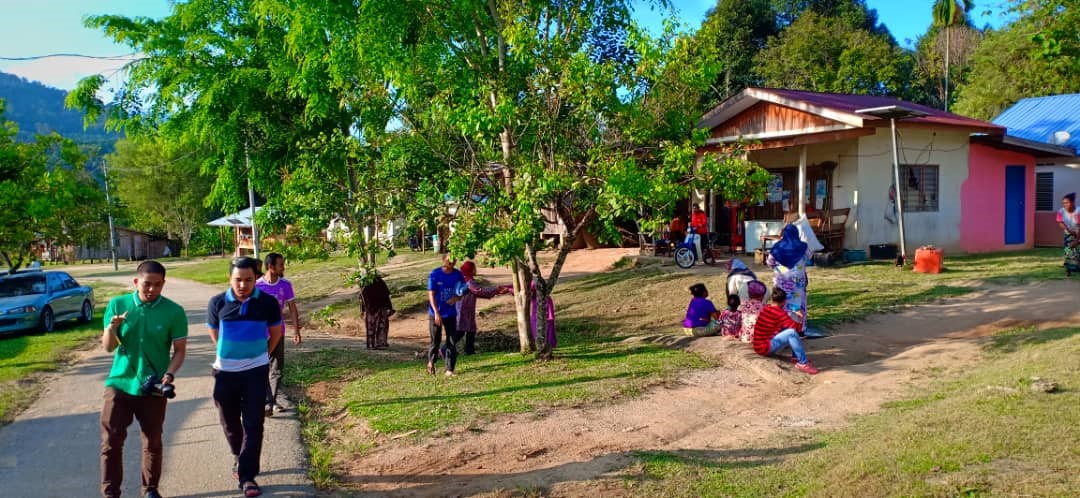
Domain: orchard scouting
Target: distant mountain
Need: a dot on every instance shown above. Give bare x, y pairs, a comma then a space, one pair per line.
39, 109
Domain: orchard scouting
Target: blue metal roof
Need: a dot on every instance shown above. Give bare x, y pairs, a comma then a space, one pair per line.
1038, 118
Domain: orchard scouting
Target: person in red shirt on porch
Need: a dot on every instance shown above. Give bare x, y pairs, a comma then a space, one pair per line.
677, 229
700, 223
776, 330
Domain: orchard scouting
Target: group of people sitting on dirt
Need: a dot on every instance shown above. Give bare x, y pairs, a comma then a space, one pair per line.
769, 327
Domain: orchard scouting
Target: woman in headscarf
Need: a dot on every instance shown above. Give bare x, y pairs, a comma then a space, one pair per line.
466, 307
738, 276
788, 261
377, 308
1068, 218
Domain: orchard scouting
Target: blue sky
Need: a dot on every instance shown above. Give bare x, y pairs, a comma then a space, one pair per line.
40, 27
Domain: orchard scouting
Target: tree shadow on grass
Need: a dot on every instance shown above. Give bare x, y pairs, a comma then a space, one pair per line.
1011, 341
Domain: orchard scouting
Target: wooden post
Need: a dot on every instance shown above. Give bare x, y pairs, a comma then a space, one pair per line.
802, 181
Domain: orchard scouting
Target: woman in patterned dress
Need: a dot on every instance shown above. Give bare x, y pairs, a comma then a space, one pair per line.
788, 261
1068, 218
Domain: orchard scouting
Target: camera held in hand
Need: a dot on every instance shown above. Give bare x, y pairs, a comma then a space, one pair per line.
152, 386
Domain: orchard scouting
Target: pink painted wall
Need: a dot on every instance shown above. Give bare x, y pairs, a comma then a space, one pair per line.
982, 198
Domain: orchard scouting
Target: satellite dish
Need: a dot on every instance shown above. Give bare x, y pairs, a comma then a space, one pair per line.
1061, 137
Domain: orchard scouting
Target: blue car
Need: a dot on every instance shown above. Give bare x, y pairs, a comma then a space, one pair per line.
35, 299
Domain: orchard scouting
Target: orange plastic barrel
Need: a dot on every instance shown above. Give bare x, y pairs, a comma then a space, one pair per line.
929, 260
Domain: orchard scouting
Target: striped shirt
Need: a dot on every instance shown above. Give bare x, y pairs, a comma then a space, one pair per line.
243, 329
770, 322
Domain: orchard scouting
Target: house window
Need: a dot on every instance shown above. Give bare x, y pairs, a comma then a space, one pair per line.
1044, 191
919, 187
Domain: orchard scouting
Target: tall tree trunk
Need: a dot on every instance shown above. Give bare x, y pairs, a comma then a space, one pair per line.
522, 283
947, 30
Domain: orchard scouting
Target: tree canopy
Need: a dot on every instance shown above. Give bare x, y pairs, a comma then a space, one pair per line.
1037, 54
45, 194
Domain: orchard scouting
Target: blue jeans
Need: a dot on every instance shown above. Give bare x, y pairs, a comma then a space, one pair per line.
788, 337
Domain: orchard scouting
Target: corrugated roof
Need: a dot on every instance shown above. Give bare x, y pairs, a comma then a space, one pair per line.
850, 103
1038, 118
238, 219
845, 104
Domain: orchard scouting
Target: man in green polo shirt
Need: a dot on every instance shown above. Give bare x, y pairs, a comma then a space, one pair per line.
142, 328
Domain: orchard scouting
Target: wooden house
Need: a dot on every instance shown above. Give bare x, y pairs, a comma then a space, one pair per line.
963, 186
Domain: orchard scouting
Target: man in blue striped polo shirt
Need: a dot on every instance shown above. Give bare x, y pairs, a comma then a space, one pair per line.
245, 325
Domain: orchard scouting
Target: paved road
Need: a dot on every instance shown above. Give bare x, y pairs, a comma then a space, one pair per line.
53, 448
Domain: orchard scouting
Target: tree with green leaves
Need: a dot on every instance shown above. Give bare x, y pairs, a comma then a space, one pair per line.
45, 194
288, 95
741, 29
560, 112
1037, 54
853, 13
162, 186
948, 15
829, 54
211, 73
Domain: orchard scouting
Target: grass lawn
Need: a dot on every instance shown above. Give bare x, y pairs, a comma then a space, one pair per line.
393, 396
986, 433
24, 357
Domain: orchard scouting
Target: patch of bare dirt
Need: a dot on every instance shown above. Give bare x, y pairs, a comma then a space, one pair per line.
721, 412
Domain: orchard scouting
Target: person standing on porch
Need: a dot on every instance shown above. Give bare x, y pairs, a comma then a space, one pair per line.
273, 282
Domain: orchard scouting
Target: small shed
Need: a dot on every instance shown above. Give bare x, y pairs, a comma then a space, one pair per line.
240, 223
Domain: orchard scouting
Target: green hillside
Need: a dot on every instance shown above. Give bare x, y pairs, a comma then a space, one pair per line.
39, 109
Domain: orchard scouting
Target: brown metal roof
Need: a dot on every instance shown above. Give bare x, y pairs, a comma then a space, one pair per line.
842, 107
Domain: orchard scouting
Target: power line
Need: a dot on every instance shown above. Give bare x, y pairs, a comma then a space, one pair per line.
64, 54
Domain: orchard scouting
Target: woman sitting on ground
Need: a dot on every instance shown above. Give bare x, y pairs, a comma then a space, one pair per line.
738, 276
751, 308
775, 330
730, 319
701, 315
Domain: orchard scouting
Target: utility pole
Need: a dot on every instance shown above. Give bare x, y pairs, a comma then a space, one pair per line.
108, 205
251, 205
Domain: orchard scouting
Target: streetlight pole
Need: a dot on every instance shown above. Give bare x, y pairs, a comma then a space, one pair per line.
108, 205
892, 113
899, 198
251, 205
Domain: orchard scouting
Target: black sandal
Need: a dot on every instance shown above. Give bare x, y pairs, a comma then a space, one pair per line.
251, 489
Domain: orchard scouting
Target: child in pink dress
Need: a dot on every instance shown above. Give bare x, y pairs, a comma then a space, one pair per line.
750, 310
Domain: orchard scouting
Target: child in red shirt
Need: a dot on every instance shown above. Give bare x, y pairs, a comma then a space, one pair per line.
776, 330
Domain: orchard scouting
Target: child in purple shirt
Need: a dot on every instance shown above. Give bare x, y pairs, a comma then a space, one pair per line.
701, 314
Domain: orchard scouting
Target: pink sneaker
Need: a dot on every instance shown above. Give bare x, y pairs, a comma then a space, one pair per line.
806, 367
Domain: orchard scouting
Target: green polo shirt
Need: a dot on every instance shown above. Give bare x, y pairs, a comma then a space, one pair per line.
147, 333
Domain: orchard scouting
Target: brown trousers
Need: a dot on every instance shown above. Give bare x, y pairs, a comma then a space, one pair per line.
117, 413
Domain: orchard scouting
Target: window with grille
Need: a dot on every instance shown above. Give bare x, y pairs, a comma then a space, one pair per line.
919, 187
1044, 191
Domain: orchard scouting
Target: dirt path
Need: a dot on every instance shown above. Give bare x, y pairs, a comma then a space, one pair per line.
53, 448
729, 410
